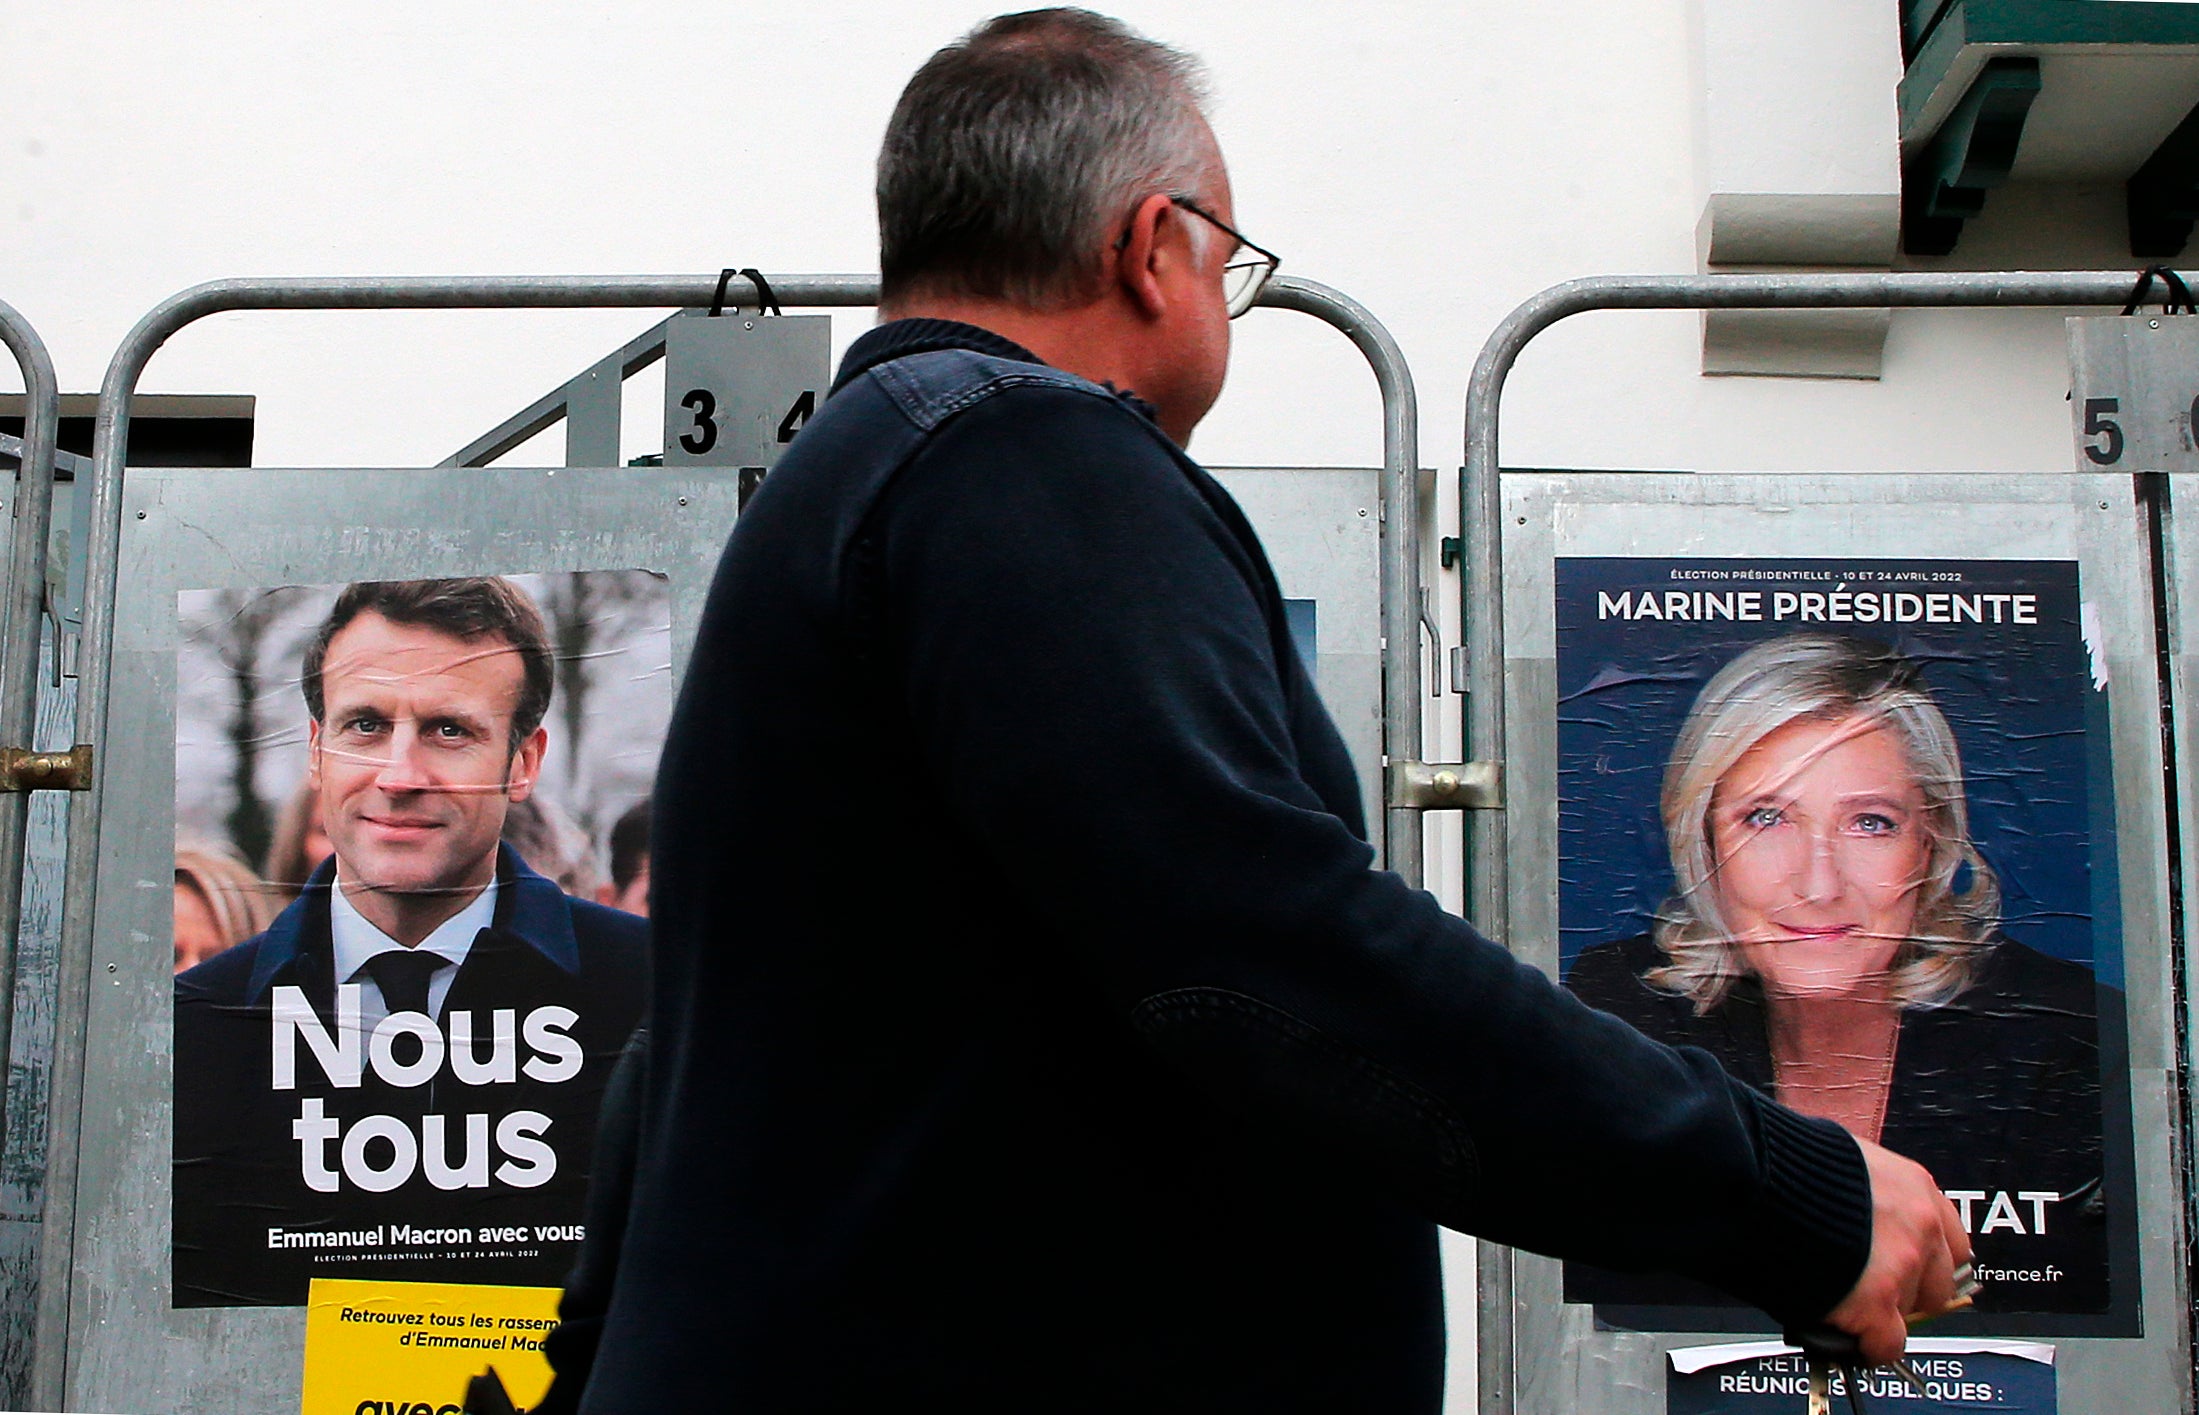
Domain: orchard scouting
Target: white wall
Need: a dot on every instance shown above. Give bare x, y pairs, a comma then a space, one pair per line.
1440, 163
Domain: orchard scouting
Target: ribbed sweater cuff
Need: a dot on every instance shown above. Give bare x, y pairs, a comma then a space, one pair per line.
1814, 1221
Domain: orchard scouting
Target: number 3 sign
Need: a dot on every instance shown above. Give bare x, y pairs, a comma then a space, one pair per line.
737, 387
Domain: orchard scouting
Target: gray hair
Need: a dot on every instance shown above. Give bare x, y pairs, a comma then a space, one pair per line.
1820, 677
1015, 153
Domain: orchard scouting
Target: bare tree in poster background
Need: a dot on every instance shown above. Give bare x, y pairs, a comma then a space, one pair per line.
235, 628
591, 615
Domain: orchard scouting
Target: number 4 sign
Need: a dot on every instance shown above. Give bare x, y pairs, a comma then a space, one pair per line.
737, 387
2134, 393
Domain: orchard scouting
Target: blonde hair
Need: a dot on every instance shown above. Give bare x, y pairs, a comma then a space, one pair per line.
1820, 677
242, 905
287, 868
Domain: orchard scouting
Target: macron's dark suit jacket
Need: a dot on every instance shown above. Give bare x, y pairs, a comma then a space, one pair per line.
238, 1166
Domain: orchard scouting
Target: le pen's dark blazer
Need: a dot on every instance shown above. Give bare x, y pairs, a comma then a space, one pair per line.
238, 1166
1996, 1091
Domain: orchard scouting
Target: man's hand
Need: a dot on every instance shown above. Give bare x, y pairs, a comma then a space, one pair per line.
1916, 1245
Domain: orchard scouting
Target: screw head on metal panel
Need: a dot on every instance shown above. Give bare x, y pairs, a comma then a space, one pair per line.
1444, 786
141, 515
683, 501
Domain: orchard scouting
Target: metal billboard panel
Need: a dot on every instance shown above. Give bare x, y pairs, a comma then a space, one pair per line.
1566, 1359
37, 966
1321, 528
2134, 393
184, 530
129, 1348
2180, 581
738, 387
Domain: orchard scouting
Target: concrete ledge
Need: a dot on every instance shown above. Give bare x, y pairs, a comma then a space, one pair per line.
1795, 343
1798, 170
1770, 233
1832, 229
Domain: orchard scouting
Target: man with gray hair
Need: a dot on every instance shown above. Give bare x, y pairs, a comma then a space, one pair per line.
1070, 1053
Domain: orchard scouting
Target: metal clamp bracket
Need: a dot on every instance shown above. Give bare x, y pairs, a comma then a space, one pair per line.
1445, 786
22, 770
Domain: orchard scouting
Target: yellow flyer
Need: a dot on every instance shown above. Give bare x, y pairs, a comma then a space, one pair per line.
409, 1348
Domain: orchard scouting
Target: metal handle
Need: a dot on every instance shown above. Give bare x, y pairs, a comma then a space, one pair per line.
1445, 786
22, 770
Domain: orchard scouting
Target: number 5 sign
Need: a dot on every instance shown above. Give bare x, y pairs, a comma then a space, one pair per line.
2134, 393
737, 387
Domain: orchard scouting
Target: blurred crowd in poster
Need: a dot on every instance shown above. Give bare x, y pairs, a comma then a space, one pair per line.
410, 895
1848, 826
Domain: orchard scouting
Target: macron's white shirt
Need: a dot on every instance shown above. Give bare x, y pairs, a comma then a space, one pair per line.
355, 941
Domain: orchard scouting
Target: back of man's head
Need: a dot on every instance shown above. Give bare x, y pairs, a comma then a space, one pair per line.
1015, 152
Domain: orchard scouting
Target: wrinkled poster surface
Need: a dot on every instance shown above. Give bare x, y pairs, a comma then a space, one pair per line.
1848, 826
1762, 1378
411, 870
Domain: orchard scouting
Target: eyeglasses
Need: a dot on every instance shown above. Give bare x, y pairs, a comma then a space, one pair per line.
1249, 267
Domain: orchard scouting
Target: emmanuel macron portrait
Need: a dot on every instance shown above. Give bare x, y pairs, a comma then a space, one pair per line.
399, 1078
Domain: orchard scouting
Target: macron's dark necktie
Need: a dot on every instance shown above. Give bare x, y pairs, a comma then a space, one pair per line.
402, 974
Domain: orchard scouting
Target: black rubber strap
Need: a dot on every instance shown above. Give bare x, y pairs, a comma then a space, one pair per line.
2176, 297
766, 302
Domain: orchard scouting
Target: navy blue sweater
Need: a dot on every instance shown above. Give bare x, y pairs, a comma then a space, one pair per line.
1032, 1029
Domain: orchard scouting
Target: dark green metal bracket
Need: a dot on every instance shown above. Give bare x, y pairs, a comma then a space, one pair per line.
1971, 154
2163, 194
1918, 19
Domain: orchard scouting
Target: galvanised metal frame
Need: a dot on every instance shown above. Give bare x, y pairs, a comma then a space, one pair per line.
1481, 578
588, 404
1400, 605
13, 448
26, 586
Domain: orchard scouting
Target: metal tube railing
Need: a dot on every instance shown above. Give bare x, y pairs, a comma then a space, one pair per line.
1400, 545
1481, 583
66, 1099
33, 512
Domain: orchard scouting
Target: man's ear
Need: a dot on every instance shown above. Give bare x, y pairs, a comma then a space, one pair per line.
1153, 242
526, 766
313, 752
